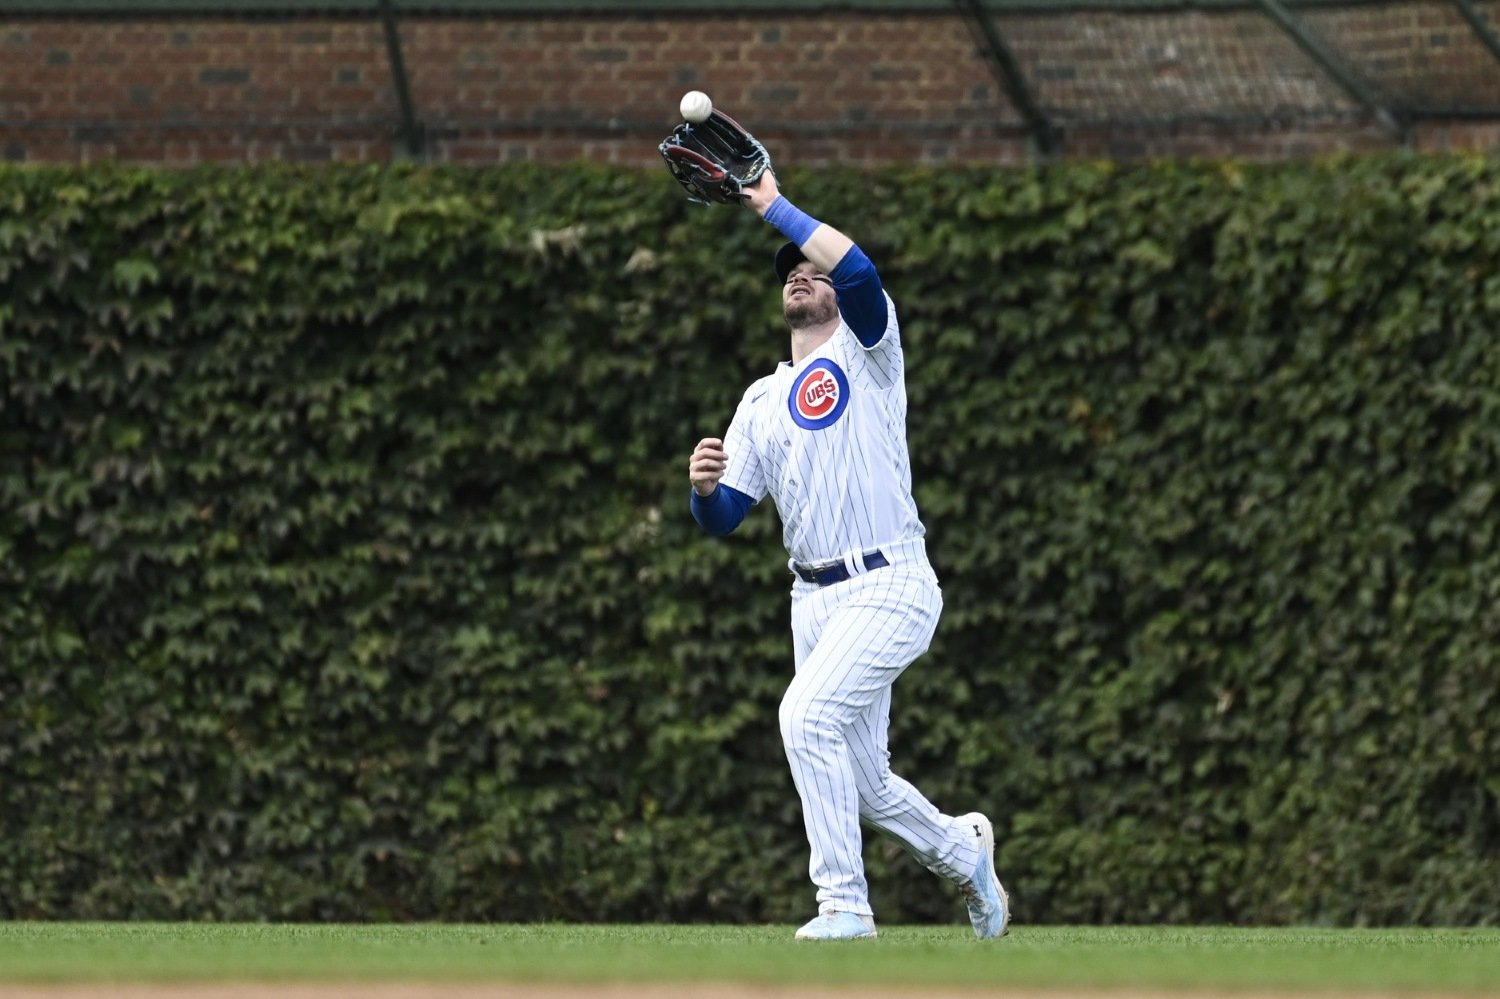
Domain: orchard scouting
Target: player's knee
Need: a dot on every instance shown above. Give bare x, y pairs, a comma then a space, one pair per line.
790, 716
802, 720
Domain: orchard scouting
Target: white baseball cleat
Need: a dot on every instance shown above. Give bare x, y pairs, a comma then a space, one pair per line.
838, 926
989, 906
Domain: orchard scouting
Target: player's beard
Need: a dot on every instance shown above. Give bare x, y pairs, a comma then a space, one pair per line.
808, 310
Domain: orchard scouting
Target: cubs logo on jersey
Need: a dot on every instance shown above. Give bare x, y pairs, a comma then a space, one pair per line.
819, 395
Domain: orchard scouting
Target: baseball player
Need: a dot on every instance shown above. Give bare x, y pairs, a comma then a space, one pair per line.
825, 436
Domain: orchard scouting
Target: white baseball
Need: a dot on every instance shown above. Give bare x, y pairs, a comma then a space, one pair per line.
695, 106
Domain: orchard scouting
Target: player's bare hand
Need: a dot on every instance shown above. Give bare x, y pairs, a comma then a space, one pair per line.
706, 467
762, 193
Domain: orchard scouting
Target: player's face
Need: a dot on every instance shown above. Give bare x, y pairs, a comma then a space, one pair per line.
807, 298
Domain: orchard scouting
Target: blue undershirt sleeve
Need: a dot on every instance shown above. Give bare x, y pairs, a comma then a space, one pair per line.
720, 511
861, 296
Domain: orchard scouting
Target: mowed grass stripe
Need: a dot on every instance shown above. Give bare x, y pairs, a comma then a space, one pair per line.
1411, 961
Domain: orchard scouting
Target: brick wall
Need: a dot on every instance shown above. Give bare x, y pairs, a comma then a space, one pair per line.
819, 88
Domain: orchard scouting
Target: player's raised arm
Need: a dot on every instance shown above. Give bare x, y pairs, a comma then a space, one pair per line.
717, 161
861, 297
820, 242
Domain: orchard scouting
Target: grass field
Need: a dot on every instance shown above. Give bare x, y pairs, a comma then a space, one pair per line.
1032, 958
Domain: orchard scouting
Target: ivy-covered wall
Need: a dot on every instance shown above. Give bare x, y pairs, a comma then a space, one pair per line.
346, 570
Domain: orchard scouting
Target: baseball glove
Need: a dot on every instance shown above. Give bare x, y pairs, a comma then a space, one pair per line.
715, 159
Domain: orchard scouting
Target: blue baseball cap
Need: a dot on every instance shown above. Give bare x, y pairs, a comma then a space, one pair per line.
789, 256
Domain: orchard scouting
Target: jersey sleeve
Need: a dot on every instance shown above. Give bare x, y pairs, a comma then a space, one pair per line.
742, 470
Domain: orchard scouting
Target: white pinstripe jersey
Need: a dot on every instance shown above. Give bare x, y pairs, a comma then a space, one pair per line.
826, 438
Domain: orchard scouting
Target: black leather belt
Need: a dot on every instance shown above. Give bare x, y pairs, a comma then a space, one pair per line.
826, 573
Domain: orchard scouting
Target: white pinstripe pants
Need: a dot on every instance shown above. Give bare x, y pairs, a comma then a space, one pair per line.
853, 639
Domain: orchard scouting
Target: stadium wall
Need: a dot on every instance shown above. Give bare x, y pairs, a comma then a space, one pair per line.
823, 87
